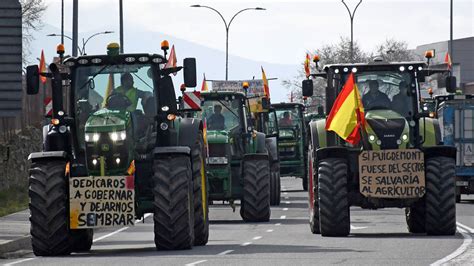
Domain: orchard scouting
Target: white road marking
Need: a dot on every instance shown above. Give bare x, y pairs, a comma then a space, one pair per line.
225, 252
278, 224
287, 202
246, 244
357, 227
287, 197
283, 217
285, 193
257, 238
285, 209
269, 230
465, 227
19, 261
195, 263
465, 245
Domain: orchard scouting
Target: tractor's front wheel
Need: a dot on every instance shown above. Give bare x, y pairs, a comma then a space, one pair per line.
275, 185
313, 203
50, 235
440, 196
173, 202
82, 240
201, 208
334, 217
415, 217
255, 204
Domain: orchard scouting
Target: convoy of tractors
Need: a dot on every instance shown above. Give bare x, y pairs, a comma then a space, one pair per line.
121, 144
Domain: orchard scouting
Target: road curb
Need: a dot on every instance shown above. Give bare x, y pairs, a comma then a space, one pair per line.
15, 245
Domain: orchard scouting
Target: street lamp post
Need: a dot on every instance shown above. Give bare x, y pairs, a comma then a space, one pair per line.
84, 42
227, 26
351, 16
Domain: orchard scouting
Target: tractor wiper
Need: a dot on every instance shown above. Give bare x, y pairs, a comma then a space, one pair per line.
228, 108
92, 78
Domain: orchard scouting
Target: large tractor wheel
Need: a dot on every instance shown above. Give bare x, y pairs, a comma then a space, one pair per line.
173, 204
82, 240
275, 185
440, 196
255, 205
313, 203
415, 216
334, 216
201, 208
50, 235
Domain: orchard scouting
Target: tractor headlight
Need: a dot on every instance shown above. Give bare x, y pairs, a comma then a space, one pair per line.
217, 160
371, 138
118, 135
92, 137
405, 137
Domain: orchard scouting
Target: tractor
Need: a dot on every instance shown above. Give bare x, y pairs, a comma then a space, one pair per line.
115, 150
238, 165
292, 146
399, 161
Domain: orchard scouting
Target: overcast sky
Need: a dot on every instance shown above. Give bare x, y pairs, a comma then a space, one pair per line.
283, 32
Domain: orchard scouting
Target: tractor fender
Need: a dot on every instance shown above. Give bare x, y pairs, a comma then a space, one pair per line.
317, 133
255, 156
272, 148
431, 131
261, 147
35, 156
168, 150
435, 151
189, 129
332, 152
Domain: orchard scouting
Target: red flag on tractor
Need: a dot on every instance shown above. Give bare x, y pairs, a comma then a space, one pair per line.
172, 62
266, 89
42, 67
306, 66
204, 84
447, 60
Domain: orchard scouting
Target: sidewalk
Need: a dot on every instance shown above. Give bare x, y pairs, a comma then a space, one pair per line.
15, 232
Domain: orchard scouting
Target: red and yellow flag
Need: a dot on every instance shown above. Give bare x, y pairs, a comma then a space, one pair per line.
447, 60
42, 67
266, 89
204, 84
347, 117
172, 62
306, 66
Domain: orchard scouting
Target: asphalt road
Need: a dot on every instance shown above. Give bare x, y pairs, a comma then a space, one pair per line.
377, 237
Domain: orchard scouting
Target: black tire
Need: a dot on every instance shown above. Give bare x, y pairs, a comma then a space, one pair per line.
415, 217
49, 217
313, 203
173, 203
255, 204
275, 185
440, 196
334, 218
201, 208
82, 240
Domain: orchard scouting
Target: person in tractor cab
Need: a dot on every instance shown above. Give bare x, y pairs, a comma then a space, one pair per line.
216, 121
375, 98
131, 93
399, 101
285, 120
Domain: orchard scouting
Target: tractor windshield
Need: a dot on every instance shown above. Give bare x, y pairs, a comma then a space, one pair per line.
386, 90
289, 117
221, 114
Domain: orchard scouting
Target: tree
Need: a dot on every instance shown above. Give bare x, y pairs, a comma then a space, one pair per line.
395, 51
32, 11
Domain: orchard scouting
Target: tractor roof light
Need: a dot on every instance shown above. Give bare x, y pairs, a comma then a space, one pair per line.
60, 49
430, 54
165, 45
245, 85
316, 58
113, 49
430, 91
182, 87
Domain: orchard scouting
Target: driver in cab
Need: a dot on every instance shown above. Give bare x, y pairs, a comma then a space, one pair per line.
131, 93
375, 98
216, 121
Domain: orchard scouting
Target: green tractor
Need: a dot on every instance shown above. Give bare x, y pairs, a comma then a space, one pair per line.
238, 165
399, 161
116, 149
292, 145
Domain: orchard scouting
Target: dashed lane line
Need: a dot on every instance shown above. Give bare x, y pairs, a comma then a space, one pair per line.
277, 224
245, 244
19, 261
287, 202
285, 209
225, 252
269, 230
283, 217
257, 238
195, 263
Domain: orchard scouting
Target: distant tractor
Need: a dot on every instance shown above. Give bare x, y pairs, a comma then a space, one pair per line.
238, 166
116, 149
456, 118
399, 161
292, 145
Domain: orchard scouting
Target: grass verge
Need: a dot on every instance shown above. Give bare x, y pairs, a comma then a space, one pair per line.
13, 200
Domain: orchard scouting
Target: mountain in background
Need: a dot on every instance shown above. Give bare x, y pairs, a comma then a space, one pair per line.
209, 61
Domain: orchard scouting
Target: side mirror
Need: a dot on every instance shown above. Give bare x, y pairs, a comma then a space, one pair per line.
32, 79
189, 72
451, 84
308, 87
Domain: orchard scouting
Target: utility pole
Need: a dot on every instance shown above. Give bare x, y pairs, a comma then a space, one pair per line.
62, 21
451, 54
351, 16
121, 25
75, 8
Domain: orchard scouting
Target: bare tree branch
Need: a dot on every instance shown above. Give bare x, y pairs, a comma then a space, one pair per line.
32, 11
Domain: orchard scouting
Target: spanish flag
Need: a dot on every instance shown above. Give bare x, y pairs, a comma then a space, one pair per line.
347, 117
42, 67
266, 89
306, 66
204, 84
447, 60
108, 90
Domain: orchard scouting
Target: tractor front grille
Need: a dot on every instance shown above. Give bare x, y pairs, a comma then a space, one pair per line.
217, 150
388, 131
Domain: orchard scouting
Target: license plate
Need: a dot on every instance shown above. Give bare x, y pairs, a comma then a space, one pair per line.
462, 183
